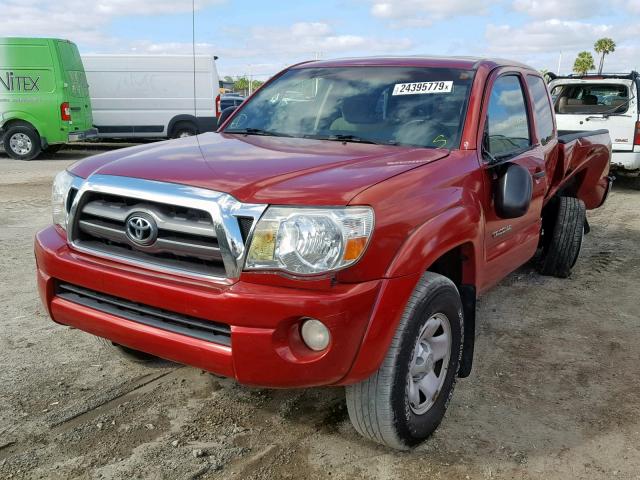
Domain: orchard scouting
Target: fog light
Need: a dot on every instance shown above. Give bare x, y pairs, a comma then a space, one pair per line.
315, 335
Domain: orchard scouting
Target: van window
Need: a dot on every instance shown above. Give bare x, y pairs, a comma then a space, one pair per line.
70, 57
589, 98
541, 108
507, 126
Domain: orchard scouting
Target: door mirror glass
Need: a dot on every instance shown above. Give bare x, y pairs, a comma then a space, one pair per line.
513, 192
226, 113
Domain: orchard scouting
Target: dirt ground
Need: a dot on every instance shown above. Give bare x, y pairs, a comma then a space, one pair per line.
554, 394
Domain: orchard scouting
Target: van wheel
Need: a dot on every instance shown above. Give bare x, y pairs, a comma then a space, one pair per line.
561, 247
22, 142
403, 403
184, 129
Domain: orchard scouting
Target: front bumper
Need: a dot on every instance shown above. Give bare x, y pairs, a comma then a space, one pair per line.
265, 349
84, 135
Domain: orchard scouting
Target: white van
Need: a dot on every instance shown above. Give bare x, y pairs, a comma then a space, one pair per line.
153, 95
605, 101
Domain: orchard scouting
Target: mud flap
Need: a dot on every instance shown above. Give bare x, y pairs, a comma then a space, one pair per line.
468, 296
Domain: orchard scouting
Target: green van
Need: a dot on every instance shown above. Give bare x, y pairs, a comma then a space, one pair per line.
44, 96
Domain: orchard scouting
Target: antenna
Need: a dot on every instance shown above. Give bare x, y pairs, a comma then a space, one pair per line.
193, 51
193, 48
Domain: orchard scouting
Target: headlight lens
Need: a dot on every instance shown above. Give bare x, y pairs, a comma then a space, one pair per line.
61, 186
309, 240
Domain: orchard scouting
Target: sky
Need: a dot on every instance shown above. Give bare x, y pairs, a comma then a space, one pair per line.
259, 38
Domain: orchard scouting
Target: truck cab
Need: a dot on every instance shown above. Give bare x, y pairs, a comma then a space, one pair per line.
44, 97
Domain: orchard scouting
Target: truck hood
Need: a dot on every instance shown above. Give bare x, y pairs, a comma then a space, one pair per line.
263, 169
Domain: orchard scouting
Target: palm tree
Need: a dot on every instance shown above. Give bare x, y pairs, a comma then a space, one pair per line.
583, 63
604, 46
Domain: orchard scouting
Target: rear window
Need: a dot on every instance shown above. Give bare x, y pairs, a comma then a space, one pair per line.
70, 57
588, 98
542, 108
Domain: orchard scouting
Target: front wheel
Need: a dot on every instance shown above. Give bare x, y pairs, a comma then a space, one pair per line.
403, 403
184, 129
22, 142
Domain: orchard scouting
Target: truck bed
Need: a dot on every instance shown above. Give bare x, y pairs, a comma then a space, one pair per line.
583, 164
566, 136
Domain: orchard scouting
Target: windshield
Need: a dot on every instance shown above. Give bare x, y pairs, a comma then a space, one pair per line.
422, 107
590, 98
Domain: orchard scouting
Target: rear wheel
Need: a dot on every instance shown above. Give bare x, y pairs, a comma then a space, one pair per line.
403, 403
22, 142
562, 238
184, 129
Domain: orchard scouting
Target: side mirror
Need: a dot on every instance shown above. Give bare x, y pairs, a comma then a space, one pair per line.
513, 192
226, 113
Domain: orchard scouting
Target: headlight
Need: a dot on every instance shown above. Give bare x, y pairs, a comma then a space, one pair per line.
309, 240
61, 186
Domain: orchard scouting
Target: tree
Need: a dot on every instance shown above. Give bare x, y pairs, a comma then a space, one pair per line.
583, 63
241, 84
228, 78
604, 46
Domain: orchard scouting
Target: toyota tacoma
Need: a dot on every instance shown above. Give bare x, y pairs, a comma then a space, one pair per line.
336, 230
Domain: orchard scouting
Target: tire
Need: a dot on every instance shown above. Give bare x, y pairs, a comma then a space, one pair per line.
380, 407
565, 232
184, 129
22, 142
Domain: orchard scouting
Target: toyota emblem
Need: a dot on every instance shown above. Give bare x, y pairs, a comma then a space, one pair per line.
141, 229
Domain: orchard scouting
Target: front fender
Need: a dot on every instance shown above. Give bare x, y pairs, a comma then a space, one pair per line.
460, 225
456, 227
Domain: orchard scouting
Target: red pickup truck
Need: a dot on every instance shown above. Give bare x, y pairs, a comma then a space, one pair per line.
336, 230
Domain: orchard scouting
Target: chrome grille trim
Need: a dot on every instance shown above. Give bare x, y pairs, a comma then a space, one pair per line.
224, 231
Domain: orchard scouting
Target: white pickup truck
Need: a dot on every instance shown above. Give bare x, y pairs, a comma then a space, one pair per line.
605, 101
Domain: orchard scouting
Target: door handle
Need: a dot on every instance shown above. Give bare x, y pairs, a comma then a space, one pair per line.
539, 174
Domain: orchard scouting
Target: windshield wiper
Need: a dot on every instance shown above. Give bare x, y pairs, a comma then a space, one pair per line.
348, 138
258, 131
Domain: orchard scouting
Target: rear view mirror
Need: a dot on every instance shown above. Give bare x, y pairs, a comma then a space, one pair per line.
226, 113
513, 192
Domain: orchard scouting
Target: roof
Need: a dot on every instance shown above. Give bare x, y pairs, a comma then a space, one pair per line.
465, 63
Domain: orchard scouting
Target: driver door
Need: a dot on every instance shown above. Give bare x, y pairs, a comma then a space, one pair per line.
508, 138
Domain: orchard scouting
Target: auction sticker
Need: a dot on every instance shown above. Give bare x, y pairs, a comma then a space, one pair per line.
422, 87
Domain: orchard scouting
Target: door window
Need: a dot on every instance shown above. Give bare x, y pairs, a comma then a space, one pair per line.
507, 125
541, 108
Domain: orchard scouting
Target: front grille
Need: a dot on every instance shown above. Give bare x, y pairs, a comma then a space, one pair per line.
186, 237
195, 232
146, 315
